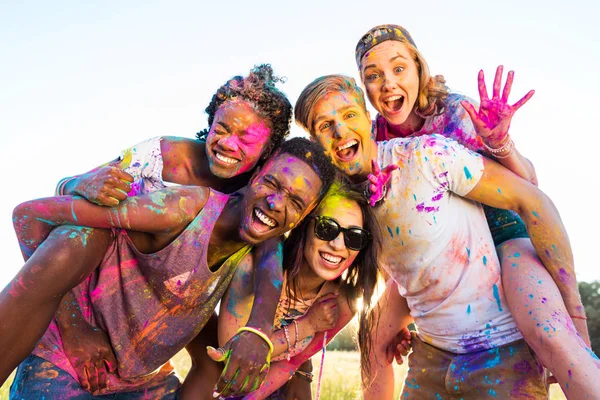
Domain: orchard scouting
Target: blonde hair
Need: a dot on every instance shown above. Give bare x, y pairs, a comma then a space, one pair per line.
319, 88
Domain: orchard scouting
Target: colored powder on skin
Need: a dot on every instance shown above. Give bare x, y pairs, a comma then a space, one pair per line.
517, 255
492, 393
570, 374
469, 309
73, 212
484, 260
155, 210
390, 231
397, 231
499, 191
468, 173
497, 297
535, 214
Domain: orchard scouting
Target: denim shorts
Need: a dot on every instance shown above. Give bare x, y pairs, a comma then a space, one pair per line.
504, 224
37, 378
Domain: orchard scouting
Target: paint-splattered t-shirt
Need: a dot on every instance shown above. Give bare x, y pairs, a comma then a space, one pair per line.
150, 305
438, 246
145, 163
453, 122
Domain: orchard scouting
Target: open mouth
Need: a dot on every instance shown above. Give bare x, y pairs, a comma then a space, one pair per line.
393, 104
261, 222
224, 159
347, 151
330, 259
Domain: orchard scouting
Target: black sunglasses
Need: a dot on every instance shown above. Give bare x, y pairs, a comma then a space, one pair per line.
327, 229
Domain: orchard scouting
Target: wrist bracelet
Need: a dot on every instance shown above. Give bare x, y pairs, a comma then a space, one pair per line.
367, 193
296, 326
308, 376
61, 186
506, 147
578, 317
259, 333
287, 339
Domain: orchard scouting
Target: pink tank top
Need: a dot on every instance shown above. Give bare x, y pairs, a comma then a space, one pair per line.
151, 305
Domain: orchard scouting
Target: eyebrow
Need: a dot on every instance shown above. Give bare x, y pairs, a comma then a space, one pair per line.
391, 60
223, 124
290, 194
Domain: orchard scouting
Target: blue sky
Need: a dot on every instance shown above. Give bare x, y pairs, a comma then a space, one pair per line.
79, 81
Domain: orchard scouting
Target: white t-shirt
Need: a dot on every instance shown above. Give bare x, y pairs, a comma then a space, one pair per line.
145, 163
438, 247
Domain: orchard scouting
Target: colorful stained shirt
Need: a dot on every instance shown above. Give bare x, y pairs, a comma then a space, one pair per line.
150, 305
145, 163
438, 247
284, 316
453, 122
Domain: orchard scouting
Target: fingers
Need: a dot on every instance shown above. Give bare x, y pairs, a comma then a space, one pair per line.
122, 175
375, 167
218, 355
508, 86
83, 377
497, 82
102, 378
524, 100
471, 111
388, 170
111, 362
327, 296
481, 86
92, 375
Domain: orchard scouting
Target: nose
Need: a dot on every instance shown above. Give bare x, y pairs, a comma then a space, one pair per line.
390, 82
338, 242
228, 143
340, 130
275, 201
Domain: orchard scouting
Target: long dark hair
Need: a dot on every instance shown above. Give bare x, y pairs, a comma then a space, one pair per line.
359, 280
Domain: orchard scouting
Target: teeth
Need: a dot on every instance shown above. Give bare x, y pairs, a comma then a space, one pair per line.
265, 220
228, 160
393, 98
349, 144
331, 258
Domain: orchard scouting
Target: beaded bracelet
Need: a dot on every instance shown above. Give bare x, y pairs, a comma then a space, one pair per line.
578, 317
287, 339
296, 326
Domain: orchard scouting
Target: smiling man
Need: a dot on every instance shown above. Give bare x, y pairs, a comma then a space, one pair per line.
440, 256
167, 268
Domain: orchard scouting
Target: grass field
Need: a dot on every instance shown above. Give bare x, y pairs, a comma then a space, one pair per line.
341, 376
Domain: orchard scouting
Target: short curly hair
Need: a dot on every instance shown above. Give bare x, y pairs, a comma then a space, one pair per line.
258, 88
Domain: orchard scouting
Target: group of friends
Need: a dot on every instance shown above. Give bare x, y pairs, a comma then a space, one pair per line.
126, 265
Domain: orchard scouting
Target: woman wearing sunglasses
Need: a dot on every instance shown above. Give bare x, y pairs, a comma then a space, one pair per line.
329, 262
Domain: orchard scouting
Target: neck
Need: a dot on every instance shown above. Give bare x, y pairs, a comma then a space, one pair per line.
207, 178
225, 238
309, 282
413, 124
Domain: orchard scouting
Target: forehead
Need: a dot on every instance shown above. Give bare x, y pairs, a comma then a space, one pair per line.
342, 209
239, 112
331, 103
295, 175
385, 51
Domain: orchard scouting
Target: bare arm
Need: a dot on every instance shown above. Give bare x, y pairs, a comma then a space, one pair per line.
501, 188
392, 314
164, 211
281, 371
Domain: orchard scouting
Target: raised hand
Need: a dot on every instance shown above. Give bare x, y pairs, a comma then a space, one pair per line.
378, 181
247, 359
106, 186
492, 121
324, 313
